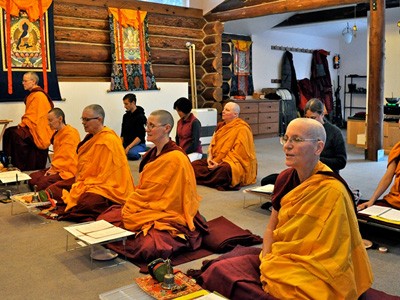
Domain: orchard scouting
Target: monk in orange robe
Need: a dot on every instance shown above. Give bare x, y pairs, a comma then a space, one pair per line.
231, 161
163, 208
65, 159
103, 177
312, 245
27, 144
392, 171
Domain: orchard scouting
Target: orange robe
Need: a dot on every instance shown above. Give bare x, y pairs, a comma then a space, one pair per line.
35, 118
102, 169
233, 143
317, 252
166, 193
65, 159
394, 194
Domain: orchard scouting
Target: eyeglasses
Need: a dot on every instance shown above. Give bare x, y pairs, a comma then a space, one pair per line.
151, 126
88, 119
295, 140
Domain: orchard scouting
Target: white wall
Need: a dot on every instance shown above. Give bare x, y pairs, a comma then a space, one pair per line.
267, 62
206, 6
79, 95
392, 53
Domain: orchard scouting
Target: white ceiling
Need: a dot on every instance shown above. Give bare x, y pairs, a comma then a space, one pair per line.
331, 29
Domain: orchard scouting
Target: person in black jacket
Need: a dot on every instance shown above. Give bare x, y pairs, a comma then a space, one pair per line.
334, 154
133, 128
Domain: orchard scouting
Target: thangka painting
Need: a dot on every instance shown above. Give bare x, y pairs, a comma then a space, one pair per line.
27, 44
242, 80
130, 51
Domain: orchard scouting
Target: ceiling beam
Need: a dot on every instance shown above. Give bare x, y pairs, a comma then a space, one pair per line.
342, 13
277, 7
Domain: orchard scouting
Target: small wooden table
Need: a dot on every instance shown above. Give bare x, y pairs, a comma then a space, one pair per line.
5, 123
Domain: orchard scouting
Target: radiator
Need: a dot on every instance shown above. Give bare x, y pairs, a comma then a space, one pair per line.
208, 120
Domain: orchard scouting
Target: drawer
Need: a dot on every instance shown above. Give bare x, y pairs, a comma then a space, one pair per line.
268, 128
254, 128
268, 106
250, 118
270, 117
246, 108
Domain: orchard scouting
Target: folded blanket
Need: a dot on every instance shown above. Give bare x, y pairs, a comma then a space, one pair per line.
215, 236
223, 236
236, 275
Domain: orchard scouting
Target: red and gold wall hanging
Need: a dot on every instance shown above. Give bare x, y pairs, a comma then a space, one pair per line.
27, 44
130, 51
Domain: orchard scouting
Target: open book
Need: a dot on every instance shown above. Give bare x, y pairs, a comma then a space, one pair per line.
382, 213
13, 176
97, 232
264, 189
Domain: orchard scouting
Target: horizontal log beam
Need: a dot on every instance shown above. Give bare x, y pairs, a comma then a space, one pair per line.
172, 42
213, 65
79, 52
103, 37
74, 69
74, 22
174, 57
277, 7
74, 52
214, 28
212, 80
96, 70
212, 94
82, 35
140, 5
171, 71
211, 51
212, 39
189, 33
176, 21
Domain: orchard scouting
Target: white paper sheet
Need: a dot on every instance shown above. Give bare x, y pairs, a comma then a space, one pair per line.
13, 176
97, 232
392, 214
375, 210
266, 189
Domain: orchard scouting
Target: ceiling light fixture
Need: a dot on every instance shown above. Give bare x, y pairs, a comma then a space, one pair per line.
347, 34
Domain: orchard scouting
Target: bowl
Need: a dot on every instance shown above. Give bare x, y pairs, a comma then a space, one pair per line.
392, 100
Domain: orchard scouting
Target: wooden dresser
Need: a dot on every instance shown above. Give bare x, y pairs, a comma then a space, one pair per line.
261, 115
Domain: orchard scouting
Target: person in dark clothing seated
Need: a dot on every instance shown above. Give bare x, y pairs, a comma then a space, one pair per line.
334, 154
133, 132
188, 129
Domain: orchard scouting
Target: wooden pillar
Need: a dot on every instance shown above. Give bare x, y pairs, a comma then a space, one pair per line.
375, 79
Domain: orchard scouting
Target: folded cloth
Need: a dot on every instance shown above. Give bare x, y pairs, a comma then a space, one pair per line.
223, 236
236, 275
215, 236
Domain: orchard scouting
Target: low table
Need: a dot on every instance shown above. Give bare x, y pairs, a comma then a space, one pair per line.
262, 192
95, 234
32, 208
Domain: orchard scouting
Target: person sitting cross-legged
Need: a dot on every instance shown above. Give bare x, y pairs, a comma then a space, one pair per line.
312, 247
103, 177
163, 208
65, 159
231, 161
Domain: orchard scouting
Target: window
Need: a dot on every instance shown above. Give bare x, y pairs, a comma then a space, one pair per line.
183, 3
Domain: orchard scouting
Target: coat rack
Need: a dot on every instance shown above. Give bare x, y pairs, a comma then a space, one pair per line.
293, 49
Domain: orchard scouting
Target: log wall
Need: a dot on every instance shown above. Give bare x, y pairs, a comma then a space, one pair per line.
83, 50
